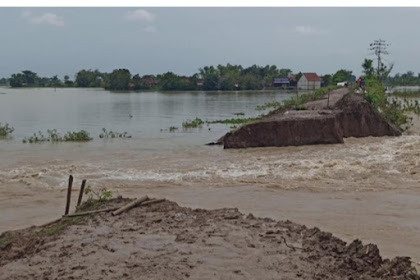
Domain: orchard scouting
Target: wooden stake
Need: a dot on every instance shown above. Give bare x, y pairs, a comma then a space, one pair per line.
82, 189
91, 212
152, 201
69, 195
130, 205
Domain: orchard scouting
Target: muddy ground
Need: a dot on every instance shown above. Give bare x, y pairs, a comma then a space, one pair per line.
166, 241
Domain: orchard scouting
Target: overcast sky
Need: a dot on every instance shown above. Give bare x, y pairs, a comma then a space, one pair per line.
62, 41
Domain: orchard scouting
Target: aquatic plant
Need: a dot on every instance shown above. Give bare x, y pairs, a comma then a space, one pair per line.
36, 138
273, 104
77, 136
239, 114
196, 123
173, 128
233, 121
5, 130
113, 134
54, 136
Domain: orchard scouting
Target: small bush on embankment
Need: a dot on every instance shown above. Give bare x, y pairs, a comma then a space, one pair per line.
5, 130
392, 109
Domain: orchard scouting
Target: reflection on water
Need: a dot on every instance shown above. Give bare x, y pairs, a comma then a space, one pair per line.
141, 114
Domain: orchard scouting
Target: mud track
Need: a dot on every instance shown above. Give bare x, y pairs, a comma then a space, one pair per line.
166, 241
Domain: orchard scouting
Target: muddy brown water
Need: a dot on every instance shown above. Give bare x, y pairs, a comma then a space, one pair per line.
365, 188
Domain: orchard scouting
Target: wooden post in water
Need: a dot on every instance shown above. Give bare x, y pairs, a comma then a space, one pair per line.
69, 194
82, 189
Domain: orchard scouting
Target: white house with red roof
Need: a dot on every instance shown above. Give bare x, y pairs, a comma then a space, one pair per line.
309, 81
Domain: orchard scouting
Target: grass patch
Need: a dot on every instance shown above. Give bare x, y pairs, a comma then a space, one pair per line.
297, 101
268, 105
234, 121
392, 109
5, 130
113, 134
406, 93
60, 226
54, 136
196, 123
173, 128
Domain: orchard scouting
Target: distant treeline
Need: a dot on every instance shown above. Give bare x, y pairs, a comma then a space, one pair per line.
406, 79
221, 77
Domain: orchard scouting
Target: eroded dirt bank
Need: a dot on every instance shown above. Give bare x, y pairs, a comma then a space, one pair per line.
346, 115
166, 241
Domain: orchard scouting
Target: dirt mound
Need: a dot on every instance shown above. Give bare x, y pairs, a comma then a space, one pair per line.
166, 241
350, 116
358, 118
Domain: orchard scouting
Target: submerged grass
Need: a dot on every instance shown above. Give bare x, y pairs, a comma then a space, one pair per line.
195, 123
54, 136
233, 121
406, 93
5, 130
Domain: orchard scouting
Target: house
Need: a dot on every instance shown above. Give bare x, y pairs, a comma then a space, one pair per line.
281, 82
200, 82
309, 81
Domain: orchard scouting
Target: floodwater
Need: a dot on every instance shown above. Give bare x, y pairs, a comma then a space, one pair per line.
367, 188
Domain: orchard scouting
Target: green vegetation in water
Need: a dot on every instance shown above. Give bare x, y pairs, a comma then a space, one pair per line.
239, 114
298, 101
113, 134
196, 123
54, 136
233, 121
268, 105
392, 109
406, 93
5, 130
173, 128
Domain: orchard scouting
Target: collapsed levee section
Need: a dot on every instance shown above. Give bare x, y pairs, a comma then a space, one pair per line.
303, 128
352, 116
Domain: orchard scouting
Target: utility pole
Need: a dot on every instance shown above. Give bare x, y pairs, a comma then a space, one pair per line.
380, 48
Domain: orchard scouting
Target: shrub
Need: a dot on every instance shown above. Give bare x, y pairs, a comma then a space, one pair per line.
392, 109
5, 130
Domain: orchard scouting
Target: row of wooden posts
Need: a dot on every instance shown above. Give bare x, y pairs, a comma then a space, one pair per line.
143, 201
79, 201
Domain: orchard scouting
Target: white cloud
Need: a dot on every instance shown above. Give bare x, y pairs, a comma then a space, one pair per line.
310, 30
26, 14
46, 18
150, 29
140, 15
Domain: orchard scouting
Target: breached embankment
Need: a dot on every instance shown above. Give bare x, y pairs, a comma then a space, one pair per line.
346, 115
167, 241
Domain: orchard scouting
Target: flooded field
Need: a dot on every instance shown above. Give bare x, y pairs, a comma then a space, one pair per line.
365, 188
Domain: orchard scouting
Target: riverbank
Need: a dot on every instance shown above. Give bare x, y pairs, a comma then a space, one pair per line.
366, 188
166, 241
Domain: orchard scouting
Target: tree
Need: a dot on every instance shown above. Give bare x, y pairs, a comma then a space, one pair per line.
342, 75
119, 79
210, 77
30, 77
368, 69
89, 78
17, 80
